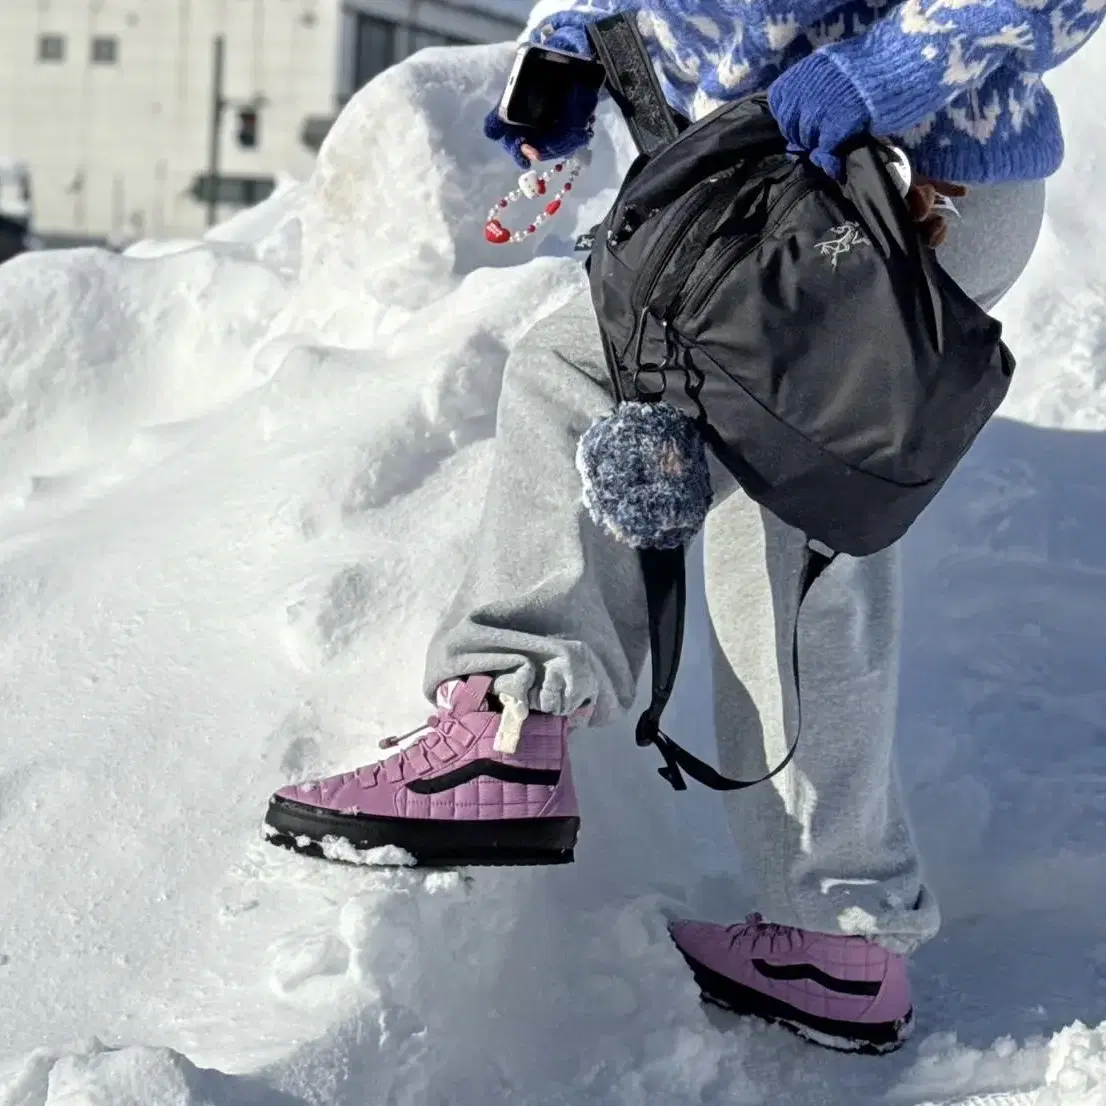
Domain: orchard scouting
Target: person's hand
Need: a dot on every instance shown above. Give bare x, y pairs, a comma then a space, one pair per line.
818, 108
574, 130
565, 31
923, 203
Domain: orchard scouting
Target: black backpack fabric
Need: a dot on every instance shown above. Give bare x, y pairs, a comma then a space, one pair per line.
831, 364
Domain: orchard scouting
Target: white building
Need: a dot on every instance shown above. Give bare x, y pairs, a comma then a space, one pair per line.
110, 102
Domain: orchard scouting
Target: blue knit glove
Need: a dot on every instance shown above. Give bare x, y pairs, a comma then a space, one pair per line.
564, 31
575, 131
818, 108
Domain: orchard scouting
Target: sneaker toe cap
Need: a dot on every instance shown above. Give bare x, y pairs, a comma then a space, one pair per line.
348, 793
308, 793
330, 794
695, 938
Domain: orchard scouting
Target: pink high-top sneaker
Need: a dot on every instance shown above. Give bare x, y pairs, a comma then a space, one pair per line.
846, 993
480, 786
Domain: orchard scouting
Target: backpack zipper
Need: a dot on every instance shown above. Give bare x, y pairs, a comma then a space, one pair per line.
650, 274
694, 297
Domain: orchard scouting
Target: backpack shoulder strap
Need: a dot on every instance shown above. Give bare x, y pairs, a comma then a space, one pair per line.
632, 82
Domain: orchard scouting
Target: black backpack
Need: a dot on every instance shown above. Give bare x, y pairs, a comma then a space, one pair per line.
835, 369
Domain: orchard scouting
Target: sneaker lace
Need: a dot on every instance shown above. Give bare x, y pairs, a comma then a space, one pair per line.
755, 926
437, 722
514, 715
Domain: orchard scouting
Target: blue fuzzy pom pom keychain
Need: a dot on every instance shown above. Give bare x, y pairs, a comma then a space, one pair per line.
645, 475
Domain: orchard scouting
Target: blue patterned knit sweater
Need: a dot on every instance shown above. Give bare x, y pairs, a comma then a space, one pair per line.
957, 82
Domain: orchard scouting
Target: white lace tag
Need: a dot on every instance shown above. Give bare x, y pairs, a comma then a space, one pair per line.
515, 714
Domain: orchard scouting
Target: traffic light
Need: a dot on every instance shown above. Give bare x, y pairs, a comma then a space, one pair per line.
247, 128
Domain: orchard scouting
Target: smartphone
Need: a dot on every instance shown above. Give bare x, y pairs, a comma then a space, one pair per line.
541, 83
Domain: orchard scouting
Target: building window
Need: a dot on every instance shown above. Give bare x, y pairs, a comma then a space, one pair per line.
375, 50
105, 50
380, 43
51, 48
233, 191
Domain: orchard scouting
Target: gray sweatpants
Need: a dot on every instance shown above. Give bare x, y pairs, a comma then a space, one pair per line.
556, 610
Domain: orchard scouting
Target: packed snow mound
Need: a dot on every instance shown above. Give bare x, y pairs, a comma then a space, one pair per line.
238, 481
94, 1075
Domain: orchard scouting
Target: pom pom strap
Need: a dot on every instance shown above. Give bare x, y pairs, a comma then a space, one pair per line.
646, 481
666, 598
665, 575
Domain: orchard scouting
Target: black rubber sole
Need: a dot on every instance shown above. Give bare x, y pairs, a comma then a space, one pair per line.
851, 1037
433, 844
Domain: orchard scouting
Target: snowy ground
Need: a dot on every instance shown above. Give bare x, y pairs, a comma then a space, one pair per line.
224, 472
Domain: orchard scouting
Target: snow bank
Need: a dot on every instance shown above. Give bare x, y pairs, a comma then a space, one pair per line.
94, 1075
238, 480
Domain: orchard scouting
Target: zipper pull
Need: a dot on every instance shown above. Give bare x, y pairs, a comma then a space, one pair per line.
669, 338
630, 221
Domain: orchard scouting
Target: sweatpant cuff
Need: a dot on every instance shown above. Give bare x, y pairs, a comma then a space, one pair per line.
547, 697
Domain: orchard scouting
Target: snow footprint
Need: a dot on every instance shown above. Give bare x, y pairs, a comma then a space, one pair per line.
294, 743
15, 786
329, 616
307, 966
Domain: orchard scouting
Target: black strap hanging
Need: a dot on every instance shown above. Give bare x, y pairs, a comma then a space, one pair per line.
666, 602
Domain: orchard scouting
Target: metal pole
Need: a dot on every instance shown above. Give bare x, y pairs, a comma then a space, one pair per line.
218, 106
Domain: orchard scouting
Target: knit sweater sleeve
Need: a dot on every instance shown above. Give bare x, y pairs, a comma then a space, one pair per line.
568, 24
924, 54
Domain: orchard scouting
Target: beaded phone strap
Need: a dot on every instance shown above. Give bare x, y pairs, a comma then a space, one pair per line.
533, 185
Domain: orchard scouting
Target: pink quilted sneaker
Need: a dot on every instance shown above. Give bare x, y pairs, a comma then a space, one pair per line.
486, 783
846, 993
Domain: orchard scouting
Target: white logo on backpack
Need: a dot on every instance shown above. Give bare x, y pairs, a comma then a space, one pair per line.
844, 239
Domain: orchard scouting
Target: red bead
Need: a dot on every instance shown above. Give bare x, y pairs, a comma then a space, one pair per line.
531, 229
552, 207
502, 203
558, 167
496, 233
567, 187
541, 187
